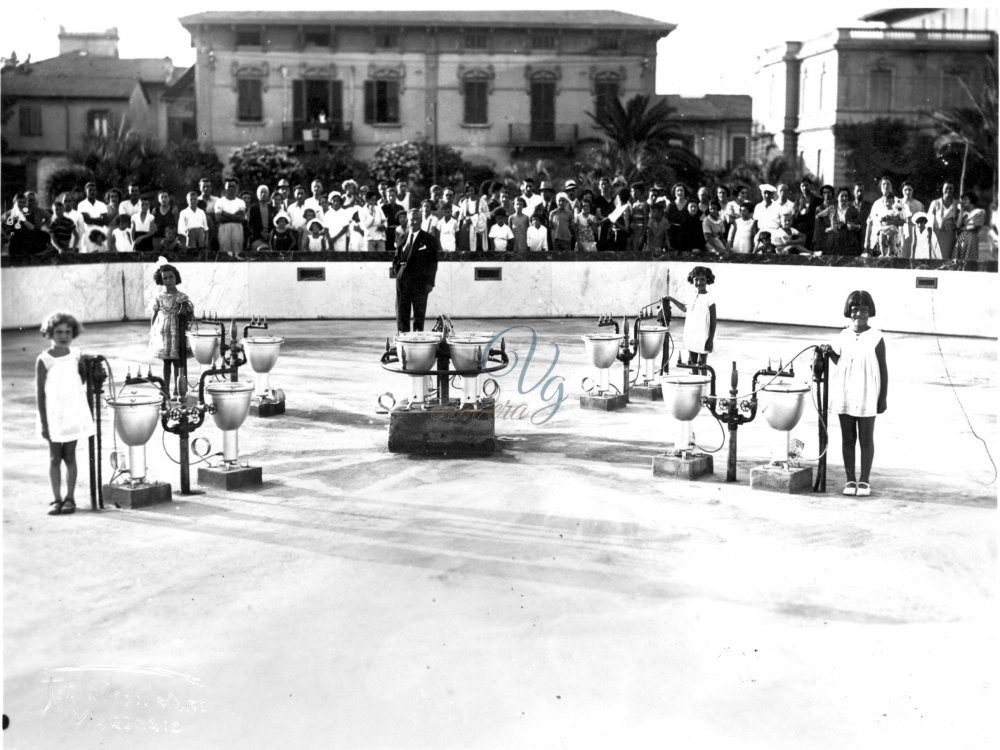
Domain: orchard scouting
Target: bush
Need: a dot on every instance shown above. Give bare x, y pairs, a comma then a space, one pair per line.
263, 164
414, 161
330, 167
193, 163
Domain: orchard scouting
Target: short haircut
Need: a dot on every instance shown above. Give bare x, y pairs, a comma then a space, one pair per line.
701, 271
58, 318
158, 274
907, 184
371, 195
859, 298
970, 197
715, 204
673, 188
232, 180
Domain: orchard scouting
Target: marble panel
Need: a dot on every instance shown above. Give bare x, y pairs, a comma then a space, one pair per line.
92, 293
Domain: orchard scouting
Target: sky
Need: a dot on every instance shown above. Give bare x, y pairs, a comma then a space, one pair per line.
713, 50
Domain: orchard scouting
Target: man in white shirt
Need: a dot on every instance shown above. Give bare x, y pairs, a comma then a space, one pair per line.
192, 225
93, 211
403, 195
533, 199
765, 214
297, 208
130, 206
230, 213
314, 201
373, 223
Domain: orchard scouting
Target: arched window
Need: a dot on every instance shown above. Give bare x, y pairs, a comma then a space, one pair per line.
476, 85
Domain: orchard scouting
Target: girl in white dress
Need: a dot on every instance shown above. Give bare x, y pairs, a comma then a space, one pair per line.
63, 414
859, 384
700, 320
447, 227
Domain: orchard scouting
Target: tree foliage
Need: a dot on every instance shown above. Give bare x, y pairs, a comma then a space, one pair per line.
641, 142
414, 161
263, 164
330, 167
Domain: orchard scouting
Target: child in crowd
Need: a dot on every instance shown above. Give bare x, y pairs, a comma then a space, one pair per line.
143, 227
96, 241
500, 233
63, 414
741, 231
713, 226
447, 227
519, 223
170, 242
538, 235
764, 246
700, 320
656, 231
62, 231
922, 246
167, 339
859, 382
120, 240
788, 240
314, 240
283, 239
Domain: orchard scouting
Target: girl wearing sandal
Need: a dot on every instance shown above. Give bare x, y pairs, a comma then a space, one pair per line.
63, 414
858, 386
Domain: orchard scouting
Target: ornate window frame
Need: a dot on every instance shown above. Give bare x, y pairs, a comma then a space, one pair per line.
552, 73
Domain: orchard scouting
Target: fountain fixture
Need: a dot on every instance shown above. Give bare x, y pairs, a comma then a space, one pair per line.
604, 349
137, 407
262, 354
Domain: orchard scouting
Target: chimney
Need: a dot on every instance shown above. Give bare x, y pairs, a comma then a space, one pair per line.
96, 43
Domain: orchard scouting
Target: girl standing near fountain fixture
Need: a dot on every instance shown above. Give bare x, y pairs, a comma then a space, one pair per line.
166, 339
63, 414
700, 320
858, 387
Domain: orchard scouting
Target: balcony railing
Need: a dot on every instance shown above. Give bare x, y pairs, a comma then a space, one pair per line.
315, 135
535, 135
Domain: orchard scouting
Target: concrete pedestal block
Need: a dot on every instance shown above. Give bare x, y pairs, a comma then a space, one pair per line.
781, 479
262, 408
236, 478
687, 466
137, 495
646, 393
607, 402
443, 429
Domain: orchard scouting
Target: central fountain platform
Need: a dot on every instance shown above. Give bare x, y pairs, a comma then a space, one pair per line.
453, 429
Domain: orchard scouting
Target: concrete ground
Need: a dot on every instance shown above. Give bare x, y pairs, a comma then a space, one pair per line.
554, 595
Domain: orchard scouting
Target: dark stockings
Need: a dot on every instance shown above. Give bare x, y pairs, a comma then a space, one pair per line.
696, 358
60, 453
853, 429
178, 368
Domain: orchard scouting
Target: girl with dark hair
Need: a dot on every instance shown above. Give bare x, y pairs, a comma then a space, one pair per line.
859, 384
700, 319
970, 220
167, 339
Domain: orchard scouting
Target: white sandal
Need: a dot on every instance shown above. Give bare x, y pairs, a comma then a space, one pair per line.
864, 489
851, 488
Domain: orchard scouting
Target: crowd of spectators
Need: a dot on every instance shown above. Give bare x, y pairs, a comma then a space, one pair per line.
497, 217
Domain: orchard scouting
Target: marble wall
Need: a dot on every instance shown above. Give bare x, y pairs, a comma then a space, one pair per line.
963, 303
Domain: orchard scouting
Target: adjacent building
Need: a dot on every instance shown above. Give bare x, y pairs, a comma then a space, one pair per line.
87, 90
493, 84
903, 65
717, 126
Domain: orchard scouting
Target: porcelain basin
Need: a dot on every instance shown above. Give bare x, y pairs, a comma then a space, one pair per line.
205, 345
137, 411
602, 348
651, 341
782, 404
682, 394
417, 349
262, 352
231, 401
467, 350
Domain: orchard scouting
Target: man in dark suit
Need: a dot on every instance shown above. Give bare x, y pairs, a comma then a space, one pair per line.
414, 267
261, 219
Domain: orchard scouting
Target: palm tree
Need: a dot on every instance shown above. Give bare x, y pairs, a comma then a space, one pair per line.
972, 130
642, 141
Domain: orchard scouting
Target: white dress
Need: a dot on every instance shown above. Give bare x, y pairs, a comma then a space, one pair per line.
698, 322
855, 380
65, 398
447, 228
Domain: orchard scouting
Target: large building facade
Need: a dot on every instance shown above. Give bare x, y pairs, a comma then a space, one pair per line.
491, 84
915, 61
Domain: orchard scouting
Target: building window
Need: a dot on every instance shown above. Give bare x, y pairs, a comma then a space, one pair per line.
249, 36
382, 102
98, 121
250, 100
476, 102
317, 36
739, 149
607, 41
605, 95
543, 40
476, 40
880, 90
387, 38
31, 121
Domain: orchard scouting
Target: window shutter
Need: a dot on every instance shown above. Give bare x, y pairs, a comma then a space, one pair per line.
369, 101
298, 100
336, 101
392, 101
